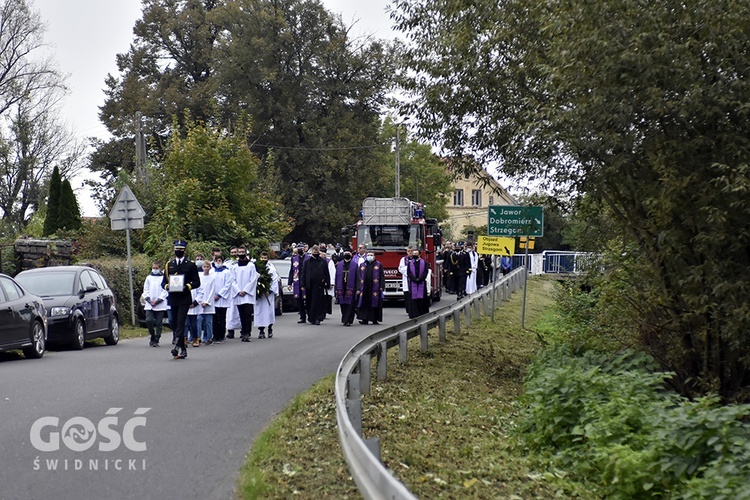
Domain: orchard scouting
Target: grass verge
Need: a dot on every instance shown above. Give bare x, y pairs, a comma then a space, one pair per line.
445, 420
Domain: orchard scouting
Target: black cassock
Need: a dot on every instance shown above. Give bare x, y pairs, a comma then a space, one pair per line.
316, 281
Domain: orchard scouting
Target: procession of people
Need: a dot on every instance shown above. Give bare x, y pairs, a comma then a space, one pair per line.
207, 300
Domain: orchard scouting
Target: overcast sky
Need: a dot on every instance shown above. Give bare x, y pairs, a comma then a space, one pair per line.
85, 35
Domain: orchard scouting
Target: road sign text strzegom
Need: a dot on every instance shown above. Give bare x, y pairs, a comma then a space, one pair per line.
504, 220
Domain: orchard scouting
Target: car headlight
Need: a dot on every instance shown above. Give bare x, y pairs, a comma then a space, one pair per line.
59, 311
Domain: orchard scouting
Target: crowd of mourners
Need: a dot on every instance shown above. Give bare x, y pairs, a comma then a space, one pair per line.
209, 300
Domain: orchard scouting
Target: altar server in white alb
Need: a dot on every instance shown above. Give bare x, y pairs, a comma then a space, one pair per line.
224, 290
471, 278
155, 303
246, 278
265, 299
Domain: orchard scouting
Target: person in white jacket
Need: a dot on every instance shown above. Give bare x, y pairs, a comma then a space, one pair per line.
224, 292
205, 298
402, 268
471, 279
246, 279
155, 303
265, 300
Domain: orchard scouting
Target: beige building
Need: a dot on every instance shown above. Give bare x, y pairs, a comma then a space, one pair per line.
470, 201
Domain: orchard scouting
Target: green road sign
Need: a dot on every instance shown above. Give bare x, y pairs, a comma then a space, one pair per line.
509, 220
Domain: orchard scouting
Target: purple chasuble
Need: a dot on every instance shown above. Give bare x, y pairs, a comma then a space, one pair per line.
418, 269
345, 291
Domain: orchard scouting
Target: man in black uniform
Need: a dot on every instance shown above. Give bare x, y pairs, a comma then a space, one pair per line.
180, 278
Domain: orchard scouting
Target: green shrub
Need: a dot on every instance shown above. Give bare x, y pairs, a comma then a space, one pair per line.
610, 420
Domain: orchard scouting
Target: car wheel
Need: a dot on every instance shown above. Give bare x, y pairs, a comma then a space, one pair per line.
79, 335
114, 331
38, 342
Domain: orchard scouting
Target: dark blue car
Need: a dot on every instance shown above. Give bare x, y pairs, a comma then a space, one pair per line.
23, 320
80, 304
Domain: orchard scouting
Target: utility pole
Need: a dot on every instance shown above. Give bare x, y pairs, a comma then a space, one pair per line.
140, 149
398, 162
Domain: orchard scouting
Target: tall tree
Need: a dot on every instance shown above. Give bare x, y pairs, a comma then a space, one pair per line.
31, 136
23, 69
312, 95
644, 110
52, 219
70, 213
169, 68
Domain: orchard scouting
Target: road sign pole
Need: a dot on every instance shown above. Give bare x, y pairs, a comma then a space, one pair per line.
494, 285
525, 282
130, 278
127, 214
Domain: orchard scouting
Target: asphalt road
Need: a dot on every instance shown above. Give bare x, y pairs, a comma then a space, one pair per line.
196, 418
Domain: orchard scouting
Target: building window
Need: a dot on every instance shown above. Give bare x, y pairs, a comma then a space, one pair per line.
492, 200
458, 197
476, 198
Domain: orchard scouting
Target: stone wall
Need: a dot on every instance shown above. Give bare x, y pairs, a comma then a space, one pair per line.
31, 253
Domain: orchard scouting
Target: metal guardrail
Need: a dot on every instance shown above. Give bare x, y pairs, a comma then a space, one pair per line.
373, 479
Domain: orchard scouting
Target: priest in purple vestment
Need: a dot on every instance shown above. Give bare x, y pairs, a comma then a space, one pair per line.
417, 270
370, 290
346, 281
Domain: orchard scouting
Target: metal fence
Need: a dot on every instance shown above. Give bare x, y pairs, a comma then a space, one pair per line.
354, 375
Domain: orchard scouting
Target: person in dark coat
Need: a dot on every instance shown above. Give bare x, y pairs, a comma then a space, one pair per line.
448, 268
485, 270
299, 257
417, 272
346, 281
370, 289
316, 280
180, 278
462, 269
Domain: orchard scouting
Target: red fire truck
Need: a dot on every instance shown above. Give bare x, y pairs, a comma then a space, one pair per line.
386, 226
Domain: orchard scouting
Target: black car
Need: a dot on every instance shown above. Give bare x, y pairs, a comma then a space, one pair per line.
23, 319
80, 304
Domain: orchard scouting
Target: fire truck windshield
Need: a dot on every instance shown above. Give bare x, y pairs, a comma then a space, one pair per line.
391, 237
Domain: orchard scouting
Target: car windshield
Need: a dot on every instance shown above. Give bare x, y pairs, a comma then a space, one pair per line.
48, 284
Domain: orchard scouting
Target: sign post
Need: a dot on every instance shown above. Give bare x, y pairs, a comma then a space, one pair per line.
127, 214
509, 220
495, 245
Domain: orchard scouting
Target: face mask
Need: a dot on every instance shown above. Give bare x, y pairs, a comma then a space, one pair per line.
242, 257
301, 252
347, 256
316, 255
219, 265
370, 258
199, 263
179, 253
155, 272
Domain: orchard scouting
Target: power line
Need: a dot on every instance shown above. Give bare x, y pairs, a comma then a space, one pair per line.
339, 148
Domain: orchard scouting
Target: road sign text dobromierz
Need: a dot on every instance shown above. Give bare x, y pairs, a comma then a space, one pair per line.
503, 220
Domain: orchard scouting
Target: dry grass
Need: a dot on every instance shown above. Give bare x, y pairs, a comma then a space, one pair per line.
445, 420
